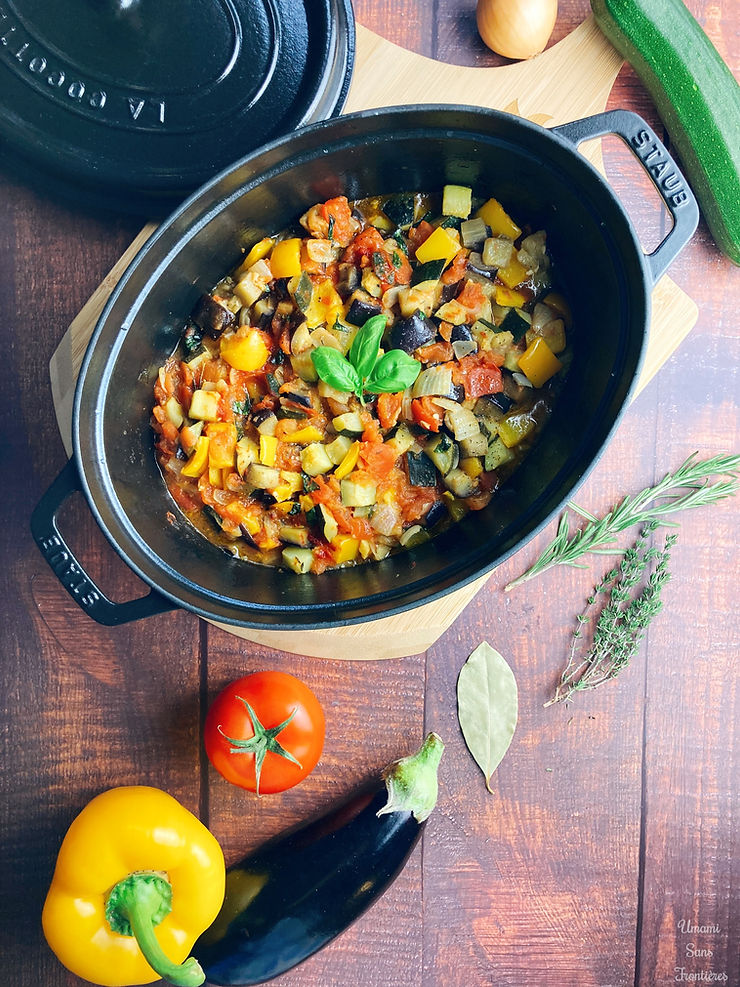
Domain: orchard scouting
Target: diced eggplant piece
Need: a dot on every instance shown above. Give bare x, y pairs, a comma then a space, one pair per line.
501, 400
362, 309
475, 264
212, 317
265, 421
436, 513
421, 470
443, 452
298, 559
460, 333
496, 455
212, 516
409, 334
247, 536
296, 393
294, 535
262, 313
497, 252
457, 393
400, 209
431, 271
515, 324
473, 232
460, 483
263, 477
349, 280
361, 492
475, 445
464, 347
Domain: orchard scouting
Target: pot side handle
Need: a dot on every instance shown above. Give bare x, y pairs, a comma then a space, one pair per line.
68, 569
661, 169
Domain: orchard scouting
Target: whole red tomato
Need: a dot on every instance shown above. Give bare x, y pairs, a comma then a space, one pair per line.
265, 732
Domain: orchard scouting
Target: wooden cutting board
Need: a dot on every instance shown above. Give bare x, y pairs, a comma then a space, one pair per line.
570, 80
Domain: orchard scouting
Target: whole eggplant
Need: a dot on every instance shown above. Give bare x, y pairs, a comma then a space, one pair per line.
298, 891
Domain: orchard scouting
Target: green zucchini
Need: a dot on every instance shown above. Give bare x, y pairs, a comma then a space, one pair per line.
696, 95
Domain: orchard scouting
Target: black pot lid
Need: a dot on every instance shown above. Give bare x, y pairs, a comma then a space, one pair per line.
133, 104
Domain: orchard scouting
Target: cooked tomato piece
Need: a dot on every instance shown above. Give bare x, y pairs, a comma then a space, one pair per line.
427, 414
456, 270
389, 408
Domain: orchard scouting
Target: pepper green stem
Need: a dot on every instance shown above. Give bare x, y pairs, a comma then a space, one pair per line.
412, 781
134, 907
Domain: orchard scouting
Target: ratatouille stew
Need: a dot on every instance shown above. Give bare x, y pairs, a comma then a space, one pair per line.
353, 388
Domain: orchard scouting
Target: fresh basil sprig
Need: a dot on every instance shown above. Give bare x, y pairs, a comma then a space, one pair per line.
363, 369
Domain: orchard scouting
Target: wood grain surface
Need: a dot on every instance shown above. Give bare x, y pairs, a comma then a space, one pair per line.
613, 825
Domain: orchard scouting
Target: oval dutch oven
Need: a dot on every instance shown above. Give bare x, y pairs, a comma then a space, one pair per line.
540, 176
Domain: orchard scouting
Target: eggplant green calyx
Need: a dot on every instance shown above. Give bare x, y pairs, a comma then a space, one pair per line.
412, 781
264, 740
134, 907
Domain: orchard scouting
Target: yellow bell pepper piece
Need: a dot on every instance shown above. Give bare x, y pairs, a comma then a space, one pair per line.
349, 462
248, 352
438, 246
494, 215
538, 362
261, 249
514, 428
345, 548
305, 435
306, 502
513, 274
199, 460
292, 479
285, 259
222, 448
283, 506
129, 849
472, 466
325, 307
268, 450
508, 298
215, 478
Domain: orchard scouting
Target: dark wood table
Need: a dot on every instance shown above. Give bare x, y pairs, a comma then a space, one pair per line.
612, 829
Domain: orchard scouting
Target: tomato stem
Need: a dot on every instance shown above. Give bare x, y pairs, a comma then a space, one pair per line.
264, 740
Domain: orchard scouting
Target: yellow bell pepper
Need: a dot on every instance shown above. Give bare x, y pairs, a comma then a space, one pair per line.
349, 462
438, 246
508, 298
538, 362
325, 307
268, 450
513, 274
494, 215
137, 880
285, 259
260, 250
345, 549
248, 352
199, 460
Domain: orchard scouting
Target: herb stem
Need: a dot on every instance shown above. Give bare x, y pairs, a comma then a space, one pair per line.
686, 488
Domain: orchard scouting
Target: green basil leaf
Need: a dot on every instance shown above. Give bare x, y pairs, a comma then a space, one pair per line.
394, 371
334, 370
363, 353
487, 707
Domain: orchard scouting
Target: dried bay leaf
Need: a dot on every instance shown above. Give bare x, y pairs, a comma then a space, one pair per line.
487, 707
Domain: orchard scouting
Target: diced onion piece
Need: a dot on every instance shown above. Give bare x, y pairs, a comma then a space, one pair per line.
434, 381
462, 422
497, 252
385, 519
522, 380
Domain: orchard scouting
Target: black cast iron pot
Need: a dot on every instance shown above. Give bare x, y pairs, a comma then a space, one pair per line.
541, 178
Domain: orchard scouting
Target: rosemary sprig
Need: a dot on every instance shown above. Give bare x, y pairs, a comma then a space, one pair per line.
687, 487
623, 619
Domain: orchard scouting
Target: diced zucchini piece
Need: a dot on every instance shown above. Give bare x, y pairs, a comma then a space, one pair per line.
431, 271
294, 535
415, 535
497, 454
443, 452
359, 492
204, 405
338, 449
380, 551
457, 200
246, 454
460, 484
516, 323
348, 424
315, 460
298, 559
263, 477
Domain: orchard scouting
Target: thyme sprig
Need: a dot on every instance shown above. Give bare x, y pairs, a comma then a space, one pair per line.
623, 619
687, 487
